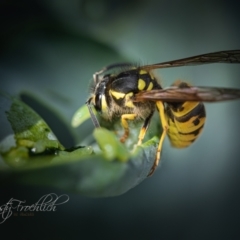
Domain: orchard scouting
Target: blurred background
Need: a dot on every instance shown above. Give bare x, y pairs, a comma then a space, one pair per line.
48, 53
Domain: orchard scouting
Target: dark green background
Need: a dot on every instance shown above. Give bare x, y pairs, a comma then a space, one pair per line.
51, 49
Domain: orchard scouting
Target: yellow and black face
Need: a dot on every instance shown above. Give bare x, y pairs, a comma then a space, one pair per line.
113, 94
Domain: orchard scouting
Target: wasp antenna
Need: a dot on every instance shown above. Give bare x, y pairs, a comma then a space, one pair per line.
93, 116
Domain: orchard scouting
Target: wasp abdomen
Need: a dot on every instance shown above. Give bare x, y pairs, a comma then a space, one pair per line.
186, 121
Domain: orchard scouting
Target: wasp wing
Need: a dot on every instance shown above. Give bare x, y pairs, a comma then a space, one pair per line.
176, 94
231, 56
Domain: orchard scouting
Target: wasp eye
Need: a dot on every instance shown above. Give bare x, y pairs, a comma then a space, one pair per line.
98, 102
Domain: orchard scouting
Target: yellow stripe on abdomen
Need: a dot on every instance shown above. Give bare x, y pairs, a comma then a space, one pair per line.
184, 108
184, 129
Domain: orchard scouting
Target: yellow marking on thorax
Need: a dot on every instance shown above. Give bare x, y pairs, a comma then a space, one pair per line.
128, 101
141, 84
141, 72
186, 108
117, 95
150, 86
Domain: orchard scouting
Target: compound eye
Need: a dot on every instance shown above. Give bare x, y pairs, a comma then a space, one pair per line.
98, 102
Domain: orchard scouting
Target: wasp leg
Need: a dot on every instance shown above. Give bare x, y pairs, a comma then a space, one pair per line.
124, 119
160, 107
144, 129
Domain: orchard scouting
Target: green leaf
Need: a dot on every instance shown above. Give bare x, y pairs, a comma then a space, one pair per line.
109, 168
94, 175
80, 116
111, 147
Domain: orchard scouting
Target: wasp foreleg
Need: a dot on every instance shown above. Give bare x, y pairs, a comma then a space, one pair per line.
124, 119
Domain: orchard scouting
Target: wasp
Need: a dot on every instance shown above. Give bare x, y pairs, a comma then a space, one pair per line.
132, 92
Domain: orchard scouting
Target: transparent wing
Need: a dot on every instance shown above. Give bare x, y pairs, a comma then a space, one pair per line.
176, 94
231, 56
